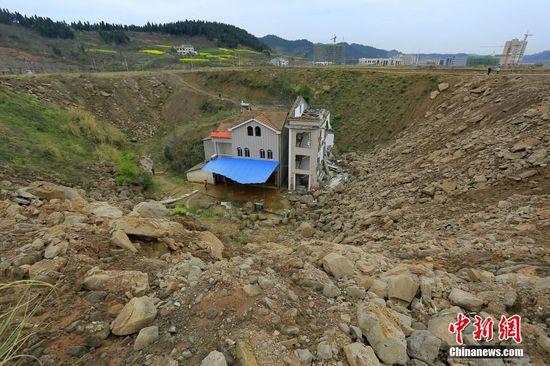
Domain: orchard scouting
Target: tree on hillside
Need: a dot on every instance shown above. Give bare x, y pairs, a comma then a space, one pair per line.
224, 35
117, 36
44, 26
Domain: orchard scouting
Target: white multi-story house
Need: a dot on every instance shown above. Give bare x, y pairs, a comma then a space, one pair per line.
279, 61
186, 49
269, 148
310, 138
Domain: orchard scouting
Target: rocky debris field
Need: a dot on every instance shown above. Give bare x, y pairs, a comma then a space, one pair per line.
464, 191
451, 216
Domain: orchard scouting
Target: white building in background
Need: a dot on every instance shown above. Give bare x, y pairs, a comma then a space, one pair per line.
322, 63
456, 61
279, 61
382, 61
389, 61
513, 52
186, 49
407, 59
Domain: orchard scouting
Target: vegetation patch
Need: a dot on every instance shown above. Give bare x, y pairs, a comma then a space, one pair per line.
193, 59
183, 147
182, 210
153, 52
117, 36
250, 52
51, 140
18, 324
128, 172
99, 50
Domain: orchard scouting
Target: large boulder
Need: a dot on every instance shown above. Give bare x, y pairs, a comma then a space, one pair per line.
133, 282
439, 327
324, 351
214, 358
103, 209
527, 143
147, 227
54, 250
48, 191
442, 86
245, 354
137, 314
146, 337
95, 333
47, 268
120, 239
306, 230
424, 346
338, 265
382, 329
402, 287
152, 209
210, 242
465, 300
478, 275
358, 354
55, 233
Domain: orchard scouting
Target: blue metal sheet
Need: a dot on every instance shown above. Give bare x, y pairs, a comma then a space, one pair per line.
245, 171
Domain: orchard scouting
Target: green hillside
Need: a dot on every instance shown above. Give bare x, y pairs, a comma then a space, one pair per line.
52, 141
367, 108
37, 44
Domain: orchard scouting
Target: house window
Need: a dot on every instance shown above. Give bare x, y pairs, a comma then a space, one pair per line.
239, 151
258, 131
303, 139
246, 152
250, 131
269, 154
262, 154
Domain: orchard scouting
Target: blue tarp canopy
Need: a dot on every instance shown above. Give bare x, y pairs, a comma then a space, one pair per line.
245, 171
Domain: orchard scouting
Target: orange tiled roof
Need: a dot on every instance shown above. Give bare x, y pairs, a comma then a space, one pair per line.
273, 119
221, 134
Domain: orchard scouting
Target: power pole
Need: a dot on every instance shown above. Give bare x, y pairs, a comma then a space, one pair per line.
94, 64
124, 61
334, 50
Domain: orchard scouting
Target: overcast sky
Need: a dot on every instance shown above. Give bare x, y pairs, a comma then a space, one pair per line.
445, 26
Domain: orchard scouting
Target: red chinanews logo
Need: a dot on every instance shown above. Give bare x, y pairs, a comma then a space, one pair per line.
508, 328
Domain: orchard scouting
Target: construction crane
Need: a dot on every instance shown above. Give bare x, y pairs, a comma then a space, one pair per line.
524, 45
507, 49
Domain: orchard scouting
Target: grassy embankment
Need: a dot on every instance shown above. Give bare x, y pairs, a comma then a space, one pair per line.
58, 143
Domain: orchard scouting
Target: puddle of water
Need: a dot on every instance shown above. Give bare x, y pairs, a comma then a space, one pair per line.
273, 199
